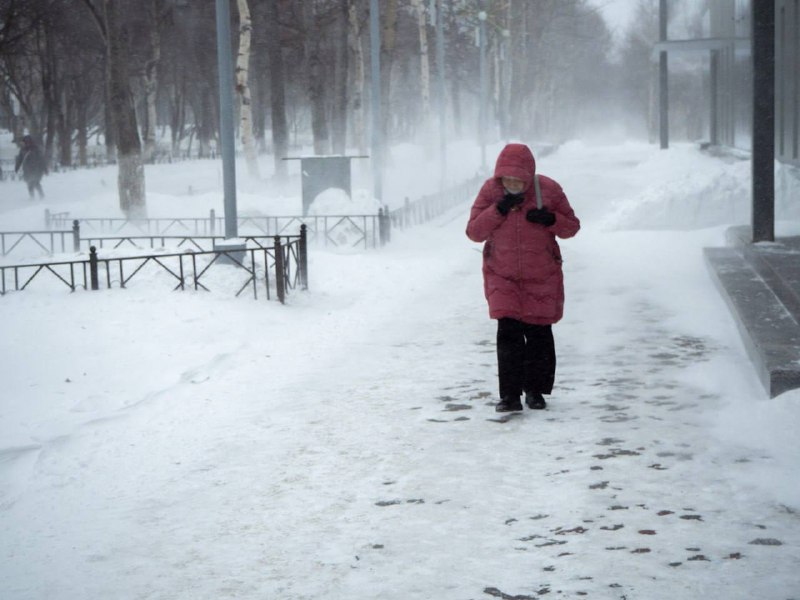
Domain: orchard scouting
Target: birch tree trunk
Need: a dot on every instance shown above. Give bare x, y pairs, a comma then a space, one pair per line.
243, 90
424, 64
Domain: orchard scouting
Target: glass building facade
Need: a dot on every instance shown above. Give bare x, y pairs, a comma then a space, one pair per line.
787, 80
727, 42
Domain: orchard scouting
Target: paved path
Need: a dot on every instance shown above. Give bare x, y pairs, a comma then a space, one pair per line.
618, 490
362, 457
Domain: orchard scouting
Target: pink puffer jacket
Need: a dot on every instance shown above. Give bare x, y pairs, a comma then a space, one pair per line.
522, 274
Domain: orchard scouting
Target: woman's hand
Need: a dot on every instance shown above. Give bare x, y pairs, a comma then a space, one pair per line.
541, 216
508, 202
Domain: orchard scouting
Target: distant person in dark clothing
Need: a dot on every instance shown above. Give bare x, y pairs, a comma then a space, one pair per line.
32, 164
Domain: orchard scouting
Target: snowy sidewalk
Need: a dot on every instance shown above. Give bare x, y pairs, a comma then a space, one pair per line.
346, 446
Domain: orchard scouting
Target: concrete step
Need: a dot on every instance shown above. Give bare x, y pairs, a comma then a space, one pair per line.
770, 332
779, 267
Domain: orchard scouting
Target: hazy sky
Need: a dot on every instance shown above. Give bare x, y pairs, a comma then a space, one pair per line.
616, 12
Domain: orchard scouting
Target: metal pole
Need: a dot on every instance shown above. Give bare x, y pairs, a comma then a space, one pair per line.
280, 272
226, 131
482, 68
713, 133
503, 79
441, 94
663, 77
303, 256
375, 106
93, 268
763, 154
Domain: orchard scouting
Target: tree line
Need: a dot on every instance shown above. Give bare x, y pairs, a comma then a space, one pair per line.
135, 72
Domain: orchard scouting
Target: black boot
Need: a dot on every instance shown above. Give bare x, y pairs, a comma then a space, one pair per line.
509, 404
535, 401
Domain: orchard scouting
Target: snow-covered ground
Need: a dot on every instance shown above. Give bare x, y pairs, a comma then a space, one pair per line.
196, 446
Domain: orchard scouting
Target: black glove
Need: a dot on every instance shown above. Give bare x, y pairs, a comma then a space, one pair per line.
542, 216
508, 202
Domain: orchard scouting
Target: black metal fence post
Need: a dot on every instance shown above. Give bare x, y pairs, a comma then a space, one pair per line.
303, 256
384, 226
280, 274
76, 236
93, 268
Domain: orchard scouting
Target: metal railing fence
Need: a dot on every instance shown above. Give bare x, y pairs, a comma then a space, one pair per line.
286, 258
327, 230
49, 241
369, 231
430, 206
194, 243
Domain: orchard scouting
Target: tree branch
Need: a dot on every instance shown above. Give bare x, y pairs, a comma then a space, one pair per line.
98, 18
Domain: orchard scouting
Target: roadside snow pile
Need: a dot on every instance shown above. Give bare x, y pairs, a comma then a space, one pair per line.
684, 189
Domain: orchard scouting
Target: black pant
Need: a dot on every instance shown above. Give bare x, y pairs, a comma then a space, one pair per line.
35, 185
526, 358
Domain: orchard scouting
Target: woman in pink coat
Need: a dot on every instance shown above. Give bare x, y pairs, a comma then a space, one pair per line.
522, 276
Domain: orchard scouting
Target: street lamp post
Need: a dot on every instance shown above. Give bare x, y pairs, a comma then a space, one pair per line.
663, 78
441, 89
482, 70
225, 72
502, 83
375, 104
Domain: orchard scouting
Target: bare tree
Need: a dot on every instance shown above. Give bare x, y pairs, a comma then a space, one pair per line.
280, 130
340, 77
547, 74
388, 45
424, 59
21, 66
313, 25
120, 106
639, 73
357, 106
154, 12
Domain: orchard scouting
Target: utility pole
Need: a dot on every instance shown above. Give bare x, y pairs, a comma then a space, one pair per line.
375, 104
225, 72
